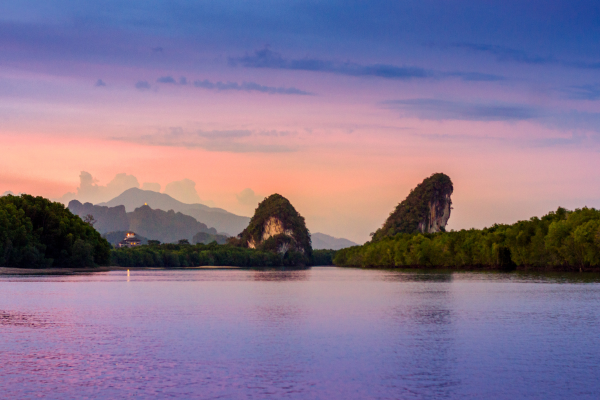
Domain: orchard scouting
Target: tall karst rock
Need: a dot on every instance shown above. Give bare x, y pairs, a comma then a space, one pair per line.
277, 226
426, 209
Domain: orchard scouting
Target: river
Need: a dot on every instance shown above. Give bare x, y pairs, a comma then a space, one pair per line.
320, 333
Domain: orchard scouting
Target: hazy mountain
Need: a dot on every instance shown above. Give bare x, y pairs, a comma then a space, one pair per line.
166, 226
322, 241
221, 220
108, 219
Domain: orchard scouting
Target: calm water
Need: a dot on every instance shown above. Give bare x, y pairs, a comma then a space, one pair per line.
323, 333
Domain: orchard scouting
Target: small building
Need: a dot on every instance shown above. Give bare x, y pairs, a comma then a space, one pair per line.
130, 240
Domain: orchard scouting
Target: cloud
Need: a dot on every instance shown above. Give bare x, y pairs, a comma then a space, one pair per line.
503, 54
157, 49
583, 92
231, 141
100, 83
183, 80
433, 109
142, 85
265, 58
166, 79
155, 187
248, 87
90, 191
247, 197
184, 191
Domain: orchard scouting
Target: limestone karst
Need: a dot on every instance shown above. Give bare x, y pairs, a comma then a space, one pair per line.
277, 226
426, 209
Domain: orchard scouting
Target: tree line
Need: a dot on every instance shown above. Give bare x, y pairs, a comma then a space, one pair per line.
561, 240
184, 255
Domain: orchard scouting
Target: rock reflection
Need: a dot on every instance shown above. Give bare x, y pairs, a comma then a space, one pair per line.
281, 275
420, 276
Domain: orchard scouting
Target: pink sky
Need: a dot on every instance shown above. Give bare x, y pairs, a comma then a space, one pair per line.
340, 115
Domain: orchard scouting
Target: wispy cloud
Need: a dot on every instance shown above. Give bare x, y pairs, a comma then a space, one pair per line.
100, 83
434, 109
166, 79
583, 92
504, 54
231, 141
142, 85
249, 87
265, 58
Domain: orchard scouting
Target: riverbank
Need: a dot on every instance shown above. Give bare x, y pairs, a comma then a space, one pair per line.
73, 271
484, 268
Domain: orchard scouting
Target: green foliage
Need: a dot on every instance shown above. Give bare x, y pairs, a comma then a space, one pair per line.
415, 208
323, 257
561, 240
213, 254
185, 255
38, 233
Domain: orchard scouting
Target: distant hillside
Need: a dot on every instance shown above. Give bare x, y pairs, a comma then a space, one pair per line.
221, 220
206, 238
321, 241
108, 219
166, 226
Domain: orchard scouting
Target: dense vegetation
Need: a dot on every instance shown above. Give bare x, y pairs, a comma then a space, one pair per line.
561, 240
186, 255
415, 209
295, 248
38, 233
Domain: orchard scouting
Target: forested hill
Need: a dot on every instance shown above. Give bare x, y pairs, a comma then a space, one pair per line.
277, 227
38, 233
426, 209
562, 241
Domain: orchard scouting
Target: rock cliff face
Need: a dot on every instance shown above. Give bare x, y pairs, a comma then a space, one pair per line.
426, 209
277, 226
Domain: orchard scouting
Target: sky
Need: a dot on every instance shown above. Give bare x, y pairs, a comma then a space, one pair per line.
340, 106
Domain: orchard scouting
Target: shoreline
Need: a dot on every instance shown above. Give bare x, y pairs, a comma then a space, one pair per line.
75, 271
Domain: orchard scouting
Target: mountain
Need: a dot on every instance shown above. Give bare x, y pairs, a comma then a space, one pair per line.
108, 219
321, 241
166, 226
221, 220
277, 227
426, 209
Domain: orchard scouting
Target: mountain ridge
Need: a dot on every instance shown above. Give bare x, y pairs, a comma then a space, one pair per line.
218, 218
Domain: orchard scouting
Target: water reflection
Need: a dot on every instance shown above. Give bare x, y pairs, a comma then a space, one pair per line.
8, 318
281, 275
424, 333
420, 276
